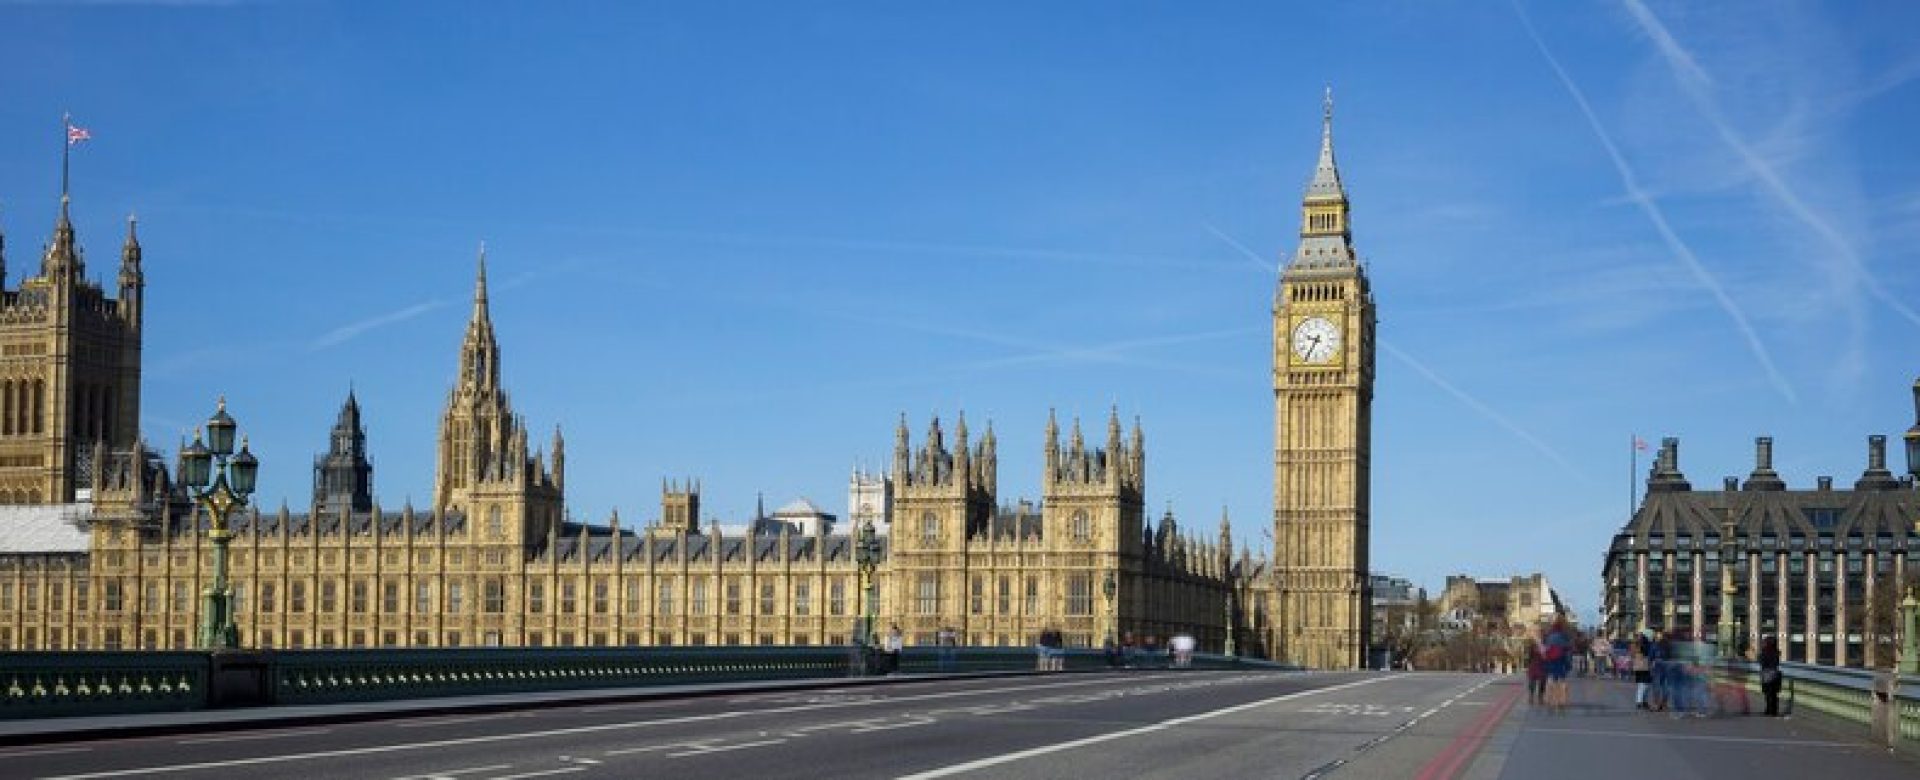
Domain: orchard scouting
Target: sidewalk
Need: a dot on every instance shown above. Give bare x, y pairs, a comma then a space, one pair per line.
40, 731
1603, 735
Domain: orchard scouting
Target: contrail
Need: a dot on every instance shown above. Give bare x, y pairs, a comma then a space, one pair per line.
1252, 256
1680, 250
350, 330
1485, 411
1694, 82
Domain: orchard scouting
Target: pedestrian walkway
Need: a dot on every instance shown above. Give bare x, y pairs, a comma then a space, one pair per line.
1603, 735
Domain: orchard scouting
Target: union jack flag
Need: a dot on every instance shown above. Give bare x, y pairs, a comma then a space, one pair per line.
76, 134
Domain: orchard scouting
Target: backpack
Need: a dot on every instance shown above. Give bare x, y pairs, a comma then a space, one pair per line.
1555, 651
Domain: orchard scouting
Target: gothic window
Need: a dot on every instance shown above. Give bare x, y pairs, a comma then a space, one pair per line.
1033, 595
929, 528
569, 598
1080, 594
456, 600
927, 595
330, 598
494, 596
767, 598
733, 596
633, 600
1004, 602
699, 606
422, 601
113, 603
977, 597
536, 598
837, 596
665, 606
1082, 527
802, 598
359, 597
495, 526
602, 597
297, 598
390, 597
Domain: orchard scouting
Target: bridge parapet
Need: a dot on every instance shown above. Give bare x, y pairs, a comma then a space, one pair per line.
37, 684
1883, 704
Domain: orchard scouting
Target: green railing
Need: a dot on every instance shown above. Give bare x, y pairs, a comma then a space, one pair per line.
36, 685
95, 683
1844, 694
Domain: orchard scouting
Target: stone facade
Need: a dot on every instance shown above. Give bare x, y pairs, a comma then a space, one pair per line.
493, 561
1323, 358
1819, 569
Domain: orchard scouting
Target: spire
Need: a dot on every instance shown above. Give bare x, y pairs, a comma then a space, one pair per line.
1325, 236
1113, 431
480, 286
480, 354
1326, 175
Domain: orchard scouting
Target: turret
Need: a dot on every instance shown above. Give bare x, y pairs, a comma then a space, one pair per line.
559, 460
132, 278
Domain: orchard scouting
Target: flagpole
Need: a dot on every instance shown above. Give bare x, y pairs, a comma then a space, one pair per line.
66, 152
1633, 475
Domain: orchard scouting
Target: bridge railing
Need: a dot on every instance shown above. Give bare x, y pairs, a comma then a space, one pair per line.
43, 684
1884, 705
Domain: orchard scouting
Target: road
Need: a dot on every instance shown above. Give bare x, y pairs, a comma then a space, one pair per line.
1183, 725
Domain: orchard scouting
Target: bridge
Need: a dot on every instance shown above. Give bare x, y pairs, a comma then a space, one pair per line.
976, 712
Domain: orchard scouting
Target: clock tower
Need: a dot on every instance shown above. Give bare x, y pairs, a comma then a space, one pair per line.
1322, 415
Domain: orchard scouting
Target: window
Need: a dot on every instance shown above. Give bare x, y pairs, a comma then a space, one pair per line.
6, 598
1033, 595
456, 603
766, 598
330, 598
633, 602
179, 598
601, 598
267, 600
837, 596
733, 596
1080, 594
496, 527
390, 597
359, 592
297, 598
1005, 596
112, 598
453, 639
31, 593
977, 595
1082, 527
149, 599
569, 597
664, 607
239, 602
423, 602
802, 598
57, 597
929, 528
699, 597
927, 595
493, 596
536, 598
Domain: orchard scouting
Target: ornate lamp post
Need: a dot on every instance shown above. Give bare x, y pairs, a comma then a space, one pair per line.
220, 481
1910, 605
1112, 588
1726, 628
1227, 647
866, 555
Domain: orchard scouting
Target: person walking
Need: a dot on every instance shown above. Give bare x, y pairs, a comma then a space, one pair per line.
893, 646
1770, 678
1558, 650
1640, 660
948, 640
1536, 673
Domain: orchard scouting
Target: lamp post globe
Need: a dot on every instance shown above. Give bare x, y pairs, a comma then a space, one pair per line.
220, 431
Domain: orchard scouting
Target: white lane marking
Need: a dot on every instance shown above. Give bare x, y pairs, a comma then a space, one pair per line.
701, 751
43, 752
652, 748
251, 737
455, 772
541, 773
1110, 736
423, 723
438, 743
912, 722
1609, 734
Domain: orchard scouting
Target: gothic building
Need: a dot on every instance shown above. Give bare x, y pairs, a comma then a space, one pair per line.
493, 561
1323, 321
69, 368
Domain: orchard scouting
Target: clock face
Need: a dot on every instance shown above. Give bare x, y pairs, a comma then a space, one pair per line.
1316, 340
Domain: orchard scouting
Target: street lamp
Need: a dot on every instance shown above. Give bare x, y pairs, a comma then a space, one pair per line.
1112, 588
866, 555
220, 481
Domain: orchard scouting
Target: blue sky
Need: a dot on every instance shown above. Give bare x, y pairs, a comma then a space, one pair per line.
735, 241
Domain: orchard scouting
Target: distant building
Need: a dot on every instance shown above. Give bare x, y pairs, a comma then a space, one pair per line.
1394, 605
1518, 602
869, 500
1819, 569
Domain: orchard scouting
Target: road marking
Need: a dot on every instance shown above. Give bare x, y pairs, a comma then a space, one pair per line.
724, 748
596, 728
454, 772
652, 748
43, 752
1448, 763
1695, 737
423, 723
1110, 736
541, 773
251, 737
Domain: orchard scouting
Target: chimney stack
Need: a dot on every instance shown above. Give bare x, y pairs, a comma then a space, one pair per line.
1877, 477
1763, 476
1823, 484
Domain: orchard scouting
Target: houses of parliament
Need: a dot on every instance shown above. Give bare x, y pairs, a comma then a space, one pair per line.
99, 549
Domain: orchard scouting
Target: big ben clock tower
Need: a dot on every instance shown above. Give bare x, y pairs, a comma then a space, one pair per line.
1322, 418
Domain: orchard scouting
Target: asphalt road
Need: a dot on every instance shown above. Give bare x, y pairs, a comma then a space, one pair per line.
1186, 725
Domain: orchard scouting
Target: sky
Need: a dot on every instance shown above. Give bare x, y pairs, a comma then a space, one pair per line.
736, 241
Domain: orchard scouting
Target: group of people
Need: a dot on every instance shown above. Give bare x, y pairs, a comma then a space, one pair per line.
1549, 660
1148, 650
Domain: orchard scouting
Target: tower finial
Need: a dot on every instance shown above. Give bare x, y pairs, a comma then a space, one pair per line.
1326, 110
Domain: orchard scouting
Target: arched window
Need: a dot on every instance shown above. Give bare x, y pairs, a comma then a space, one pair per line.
1082, 527
929, 528
495, 527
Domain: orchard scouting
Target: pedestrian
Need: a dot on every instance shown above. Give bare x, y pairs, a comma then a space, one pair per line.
893, 646
1770, 678
1536, 673
948, 640
1642, 663
1558, 650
